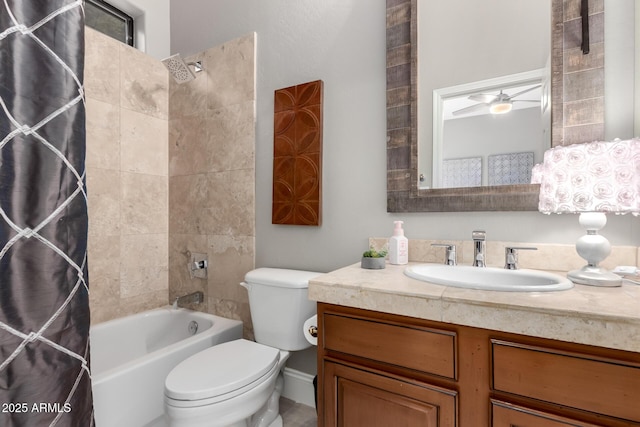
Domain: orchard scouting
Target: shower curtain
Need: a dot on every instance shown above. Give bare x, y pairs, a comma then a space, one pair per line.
44, 305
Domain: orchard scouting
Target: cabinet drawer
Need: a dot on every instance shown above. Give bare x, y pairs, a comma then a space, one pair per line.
508, 415
590, 383
423, 349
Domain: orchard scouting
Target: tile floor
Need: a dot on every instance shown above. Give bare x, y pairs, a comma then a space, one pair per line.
293, 415
296, 414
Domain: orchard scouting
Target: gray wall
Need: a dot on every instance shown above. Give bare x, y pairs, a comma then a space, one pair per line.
343, 43
151, 17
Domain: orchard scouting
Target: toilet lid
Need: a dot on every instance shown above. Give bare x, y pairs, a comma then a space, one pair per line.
220, 369
280, 277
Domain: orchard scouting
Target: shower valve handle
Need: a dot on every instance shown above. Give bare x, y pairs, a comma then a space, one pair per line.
198, 265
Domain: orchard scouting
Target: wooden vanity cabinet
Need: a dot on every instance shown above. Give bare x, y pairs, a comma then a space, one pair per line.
378, 369
364, 397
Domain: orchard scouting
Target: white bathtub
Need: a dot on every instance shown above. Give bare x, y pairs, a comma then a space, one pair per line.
131, 357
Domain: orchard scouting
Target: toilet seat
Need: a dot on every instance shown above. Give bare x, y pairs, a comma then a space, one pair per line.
220, 372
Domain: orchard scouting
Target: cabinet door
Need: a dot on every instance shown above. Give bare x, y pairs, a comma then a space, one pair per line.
360, 398
508, 415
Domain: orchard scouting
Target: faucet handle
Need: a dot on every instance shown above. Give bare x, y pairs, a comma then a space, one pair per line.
511, 256
479, 235
450, 253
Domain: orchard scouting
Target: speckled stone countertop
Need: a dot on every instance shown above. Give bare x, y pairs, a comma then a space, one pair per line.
606, 317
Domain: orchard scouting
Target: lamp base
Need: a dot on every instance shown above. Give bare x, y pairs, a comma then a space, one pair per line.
594, 276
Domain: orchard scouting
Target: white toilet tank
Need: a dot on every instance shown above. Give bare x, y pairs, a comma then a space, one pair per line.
279, 304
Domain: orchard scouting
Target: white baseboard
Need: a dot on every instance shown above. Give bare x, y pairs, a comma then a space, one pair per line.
298, 386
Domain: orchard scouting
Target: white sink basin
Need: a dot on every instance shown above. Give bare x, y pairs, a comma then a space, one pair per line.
488, 278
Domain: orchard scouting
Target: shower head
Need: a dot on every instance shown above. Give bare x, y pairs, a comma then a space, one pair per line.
180, 70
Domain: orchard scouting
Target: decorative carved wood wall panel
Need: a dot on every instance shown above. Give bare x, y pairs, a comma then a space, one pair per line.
297, 155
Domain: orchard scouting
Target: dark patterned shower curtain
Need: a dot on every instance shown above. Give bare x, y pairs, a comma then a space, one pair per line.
44, 305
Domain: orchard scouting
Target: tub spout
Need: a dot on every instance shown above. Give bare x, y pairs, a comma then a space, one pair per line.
195, 297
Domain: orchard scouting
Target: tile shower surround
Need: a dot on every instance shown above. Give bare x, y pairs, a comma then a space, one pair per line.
170, 171
212, 178
127, 173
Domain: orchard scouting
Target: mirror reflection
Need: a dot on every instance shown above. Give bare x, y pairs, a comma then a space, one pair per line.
498, 56
491, 132
621, 69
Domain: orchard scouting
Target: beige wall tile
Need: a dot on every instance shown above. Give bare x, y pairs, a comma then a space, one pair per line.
103, 201
550, 257
423, 250
231, 137
224, 141
188, 195
620, 255
144, 264
230, 205
103, 134
217, 203
143, 279
189, 146
231, 72
144, 207
144, 146
230, 258
144, 84
102, 67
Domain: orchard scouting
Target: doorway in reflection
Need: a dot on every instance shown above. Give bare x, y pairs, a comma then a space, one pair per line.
490, 132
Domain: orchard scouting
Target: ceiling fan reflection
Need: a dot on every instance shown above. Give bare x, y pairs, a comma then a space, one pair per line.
501, 103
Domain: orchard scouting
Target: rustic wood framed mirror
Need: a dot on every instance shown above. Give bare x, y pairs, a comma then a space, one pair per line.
403, 192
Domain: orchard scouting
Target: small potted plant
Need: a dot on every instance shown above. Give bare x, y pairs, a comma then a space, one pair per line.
373, 259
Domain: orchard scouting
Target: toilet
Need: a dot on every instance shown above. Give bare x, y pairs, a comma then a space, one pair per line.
238, 383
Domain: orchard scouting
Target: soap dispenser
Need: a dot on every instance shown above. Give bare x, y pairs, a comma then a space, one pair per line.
398, 245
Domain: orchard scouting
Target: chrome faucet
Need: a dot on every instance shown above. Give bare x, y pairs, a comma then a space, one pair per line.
479, 248
195, 297
511, 256
450, 253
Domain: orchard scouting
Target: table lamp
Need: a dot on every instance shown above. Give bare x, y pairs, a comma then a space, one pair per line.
592, 179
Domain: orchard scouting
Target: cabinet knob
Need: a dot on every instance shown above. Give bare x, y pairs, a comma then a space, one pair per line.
313, 331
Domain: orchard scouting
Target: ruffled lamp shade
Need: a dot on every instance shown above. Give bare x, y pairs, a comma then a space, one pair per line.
591, 179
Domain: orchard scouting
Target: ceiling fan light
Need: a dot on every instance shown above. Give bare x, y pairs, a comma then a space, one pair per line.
500, 107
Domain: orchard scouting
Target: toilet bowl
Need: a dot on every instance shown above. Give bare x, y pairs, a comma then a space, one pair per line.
239, 380
238, 383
